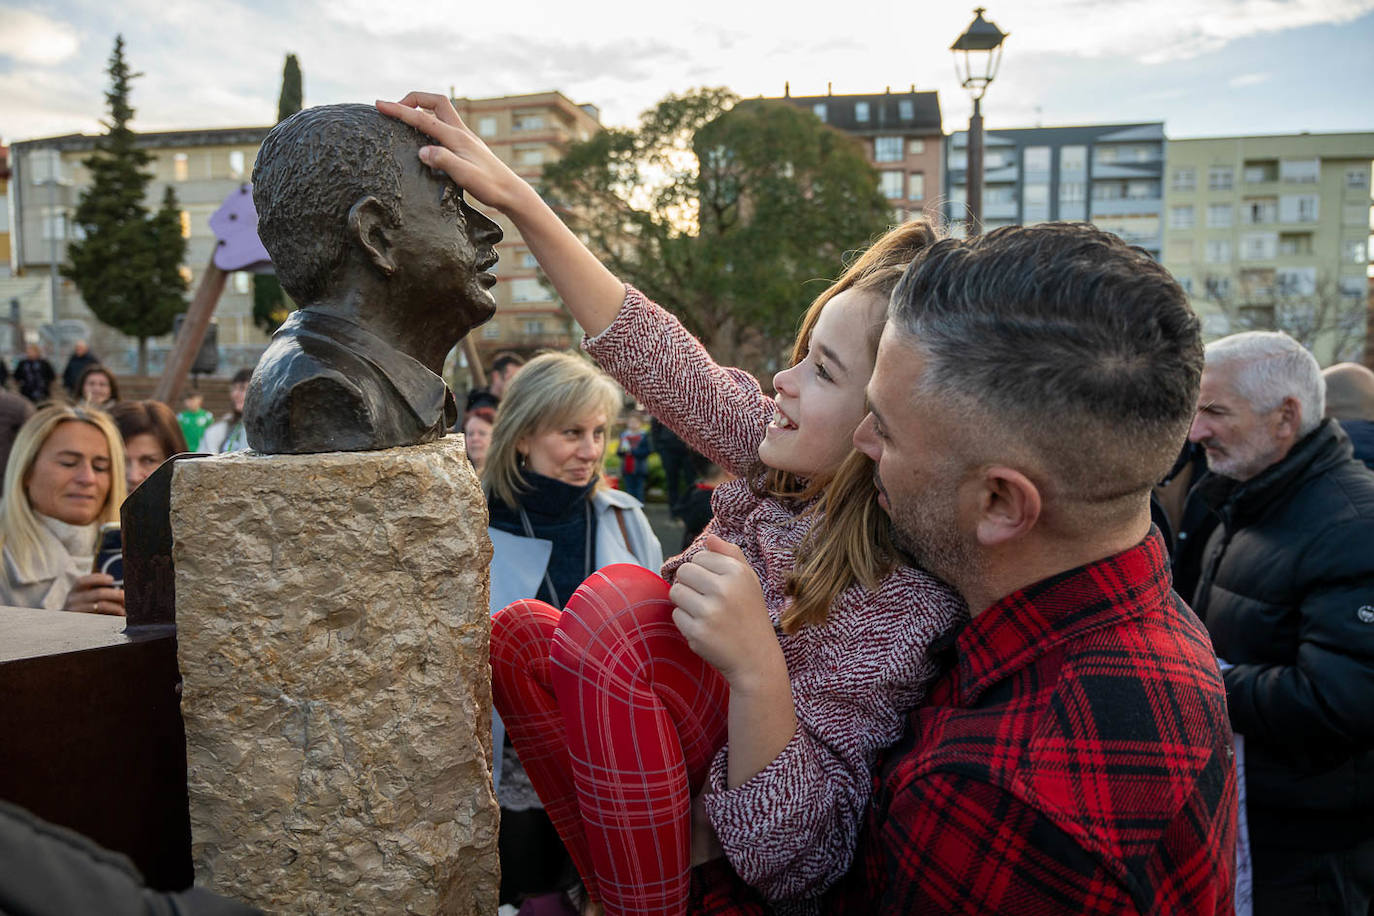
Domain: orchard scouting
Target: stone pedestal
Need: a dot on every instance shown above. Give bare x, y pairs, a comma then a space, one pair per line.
332, 626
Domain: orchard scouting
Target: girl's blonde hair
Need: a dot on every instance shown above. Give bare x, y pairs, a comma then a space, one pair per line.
551, 390
19, 524
851, 540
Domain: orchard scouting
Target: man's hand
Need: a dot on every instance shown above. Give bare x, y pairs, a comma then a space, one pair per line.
721, 614
461, 154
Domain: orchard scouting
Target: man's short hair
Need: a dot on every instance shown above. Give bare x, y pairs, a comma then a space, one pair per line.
1061, 339
1270, 366
312, 168
505, 358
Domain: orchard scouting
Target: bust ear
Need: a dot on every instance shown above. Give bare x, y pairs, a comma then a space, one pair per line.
1008, 506
370, 225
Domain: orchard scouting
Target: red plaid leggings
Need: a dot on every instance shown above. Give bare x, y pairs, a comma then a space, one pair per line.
616, 721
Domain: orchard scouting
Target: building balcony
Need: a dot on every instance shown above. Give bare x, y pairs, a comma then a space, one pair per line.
1128, 206
1001, 210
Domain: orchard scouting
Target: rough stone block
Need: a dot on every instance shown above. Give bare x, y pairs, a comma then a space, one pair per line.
332, 626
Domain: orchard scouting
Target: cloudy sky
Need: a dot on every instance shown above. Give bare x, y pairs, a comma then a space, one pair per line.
1205, 67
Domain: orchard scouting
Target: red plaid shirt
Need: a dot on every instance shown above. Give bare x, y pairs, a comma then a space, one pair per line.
1076, 757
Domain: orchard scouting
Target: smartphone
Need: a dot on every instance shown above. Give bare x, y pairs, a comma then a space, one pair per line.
109, 555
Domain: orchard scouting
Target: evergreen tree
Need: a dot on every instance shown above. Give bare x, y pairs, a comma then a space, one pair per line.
127, 266
270, 304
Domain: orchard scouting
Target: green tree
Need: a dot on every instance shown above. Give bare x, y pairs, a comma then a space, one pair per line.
127, 264
270, 304
724, 212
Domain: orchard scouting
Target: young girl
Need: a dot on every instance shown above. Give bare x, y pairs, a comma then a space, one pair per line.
808, 643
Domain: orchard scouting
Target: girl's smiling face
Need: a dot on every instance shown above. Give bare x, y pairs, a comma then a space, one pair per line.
820, 400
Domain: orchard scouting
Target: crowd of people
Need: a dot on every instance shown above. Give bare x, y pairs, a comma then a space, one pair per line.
68, 456
945, 643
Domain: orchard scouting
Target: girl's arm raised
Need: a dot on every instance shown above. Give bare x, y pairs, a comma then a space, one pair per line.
591, 292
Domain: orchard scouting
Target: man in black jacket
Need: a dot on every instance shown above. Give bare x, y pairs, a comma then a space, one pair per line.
1287, 592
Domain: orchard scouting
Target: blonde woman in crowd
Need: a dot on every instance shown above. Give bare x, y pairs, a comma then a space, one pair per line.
65, 477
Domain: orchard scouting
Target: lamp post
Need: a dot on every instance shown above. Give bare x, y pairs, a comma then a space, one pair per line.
977, 53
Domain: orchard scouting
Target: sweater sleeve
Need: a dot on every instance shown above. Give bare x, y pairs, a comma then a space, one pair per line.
791, 831
721, 413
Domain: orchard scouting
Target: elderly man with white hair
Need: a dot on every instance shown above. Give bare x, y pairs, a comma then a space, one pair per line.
1287, 593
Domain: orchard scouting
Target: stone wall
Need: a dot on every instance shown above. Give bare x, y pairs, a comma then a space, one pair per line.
333, 628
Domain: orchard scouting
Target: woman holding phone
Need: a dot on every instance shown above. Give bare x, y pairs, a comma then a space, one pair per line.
65, 477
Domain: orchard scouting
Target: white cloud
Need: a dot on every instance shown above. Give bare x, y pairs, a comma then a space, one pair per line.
1247, 79
35, 40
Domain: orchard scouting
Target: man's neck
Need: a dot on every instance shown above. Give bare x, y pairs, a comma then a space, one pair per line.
375, 311
1023, 563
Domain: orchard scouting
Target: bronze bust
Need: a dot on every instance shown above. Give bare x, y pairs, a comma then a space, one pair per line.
390, 267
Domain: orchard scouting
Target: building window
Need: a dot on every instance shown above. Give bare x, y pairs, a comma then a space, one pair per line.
915, 146
1258, 212
1296, 281
887, 149
491, 331
532, 327
1036, 158
890, 183
243, 281
818, 110
236, 163
1295, 244
1185, 180
527, 121
1181, 217
1036, 193
1357, 178
54, 224
958, 161
1109, 190
528, 260
906, 110
1220, 216
1141, 190
1354, 287
1218, 287
1072, 192
916, 186
527, 290
1299, 171
1261, 171
1072, 159
1353, 251
1299, 208
1218, 251
181, 167
46, 165
529, 154
185, 224
1259, 246
861, 112
1220, 178
486, 126
1186, 283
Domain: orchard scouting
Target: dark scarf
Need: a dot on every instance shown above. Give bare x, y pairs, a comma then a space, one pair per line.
558, 512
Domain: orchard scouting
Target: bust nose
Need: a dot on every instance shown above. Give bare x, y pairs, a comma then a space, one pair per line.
481, 228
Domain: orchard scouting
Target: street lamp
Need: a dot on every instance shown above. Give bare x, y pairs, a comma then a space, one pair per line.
977, 54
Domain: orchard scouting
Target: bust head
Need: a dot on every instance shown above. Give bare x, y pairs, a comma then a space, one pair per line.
357, 225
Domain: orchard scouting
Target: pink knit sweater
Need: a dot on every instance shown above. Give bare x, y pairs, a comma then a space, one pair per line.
792, 829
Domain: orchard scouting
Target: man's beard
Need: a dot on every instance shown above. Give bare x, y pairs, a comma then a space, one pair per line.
927, 533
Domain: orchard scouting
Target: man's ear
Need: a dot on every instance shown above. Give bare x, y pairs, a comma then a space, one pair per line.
1008, 505
1288, 420
369, 224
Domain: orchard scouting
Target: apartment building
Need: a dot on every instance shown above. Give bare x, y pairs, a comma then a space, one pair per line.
901, 134
47, 180
527, 132
1107, 174
1274, 231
